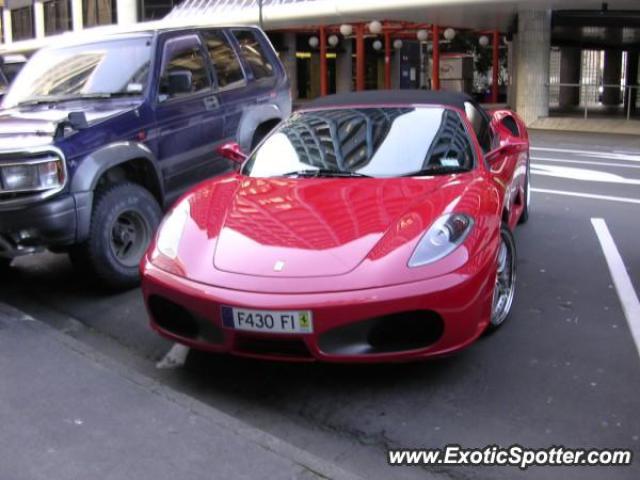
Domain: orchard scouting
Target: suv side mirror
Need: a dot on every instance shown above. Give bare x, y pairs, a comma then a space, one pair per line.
232, 151
179, 82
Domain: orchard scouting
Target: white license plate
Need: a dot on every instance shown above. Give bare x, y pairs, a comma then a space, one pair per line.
267, 320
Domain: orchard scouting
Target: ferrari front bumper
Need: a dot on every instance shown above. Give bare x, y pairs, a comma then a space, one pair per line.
403, 322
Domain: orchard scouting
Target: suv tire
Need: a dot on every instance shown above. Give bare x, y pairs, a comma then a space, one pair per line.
124, 219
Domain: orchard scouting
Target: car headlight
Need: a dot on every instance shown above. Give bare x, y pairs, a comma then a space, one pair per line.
444, 236
37, 176
170, 232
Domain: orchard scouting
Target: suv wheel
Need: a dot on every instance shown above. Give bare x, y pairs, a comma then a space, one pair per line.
124, 219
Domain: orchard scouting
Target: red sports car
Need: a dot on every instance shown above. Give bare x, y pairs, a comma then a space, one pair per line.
367, 227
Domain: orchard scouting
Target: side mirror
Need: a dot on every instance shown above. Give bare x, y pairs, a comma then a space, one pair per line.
232, 151
179, 82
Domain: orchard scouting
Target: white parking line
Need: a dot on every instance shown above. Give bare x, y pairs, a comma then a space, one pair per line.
581, 174
585, 162
588, 195
591, 153
621, 280
175, 358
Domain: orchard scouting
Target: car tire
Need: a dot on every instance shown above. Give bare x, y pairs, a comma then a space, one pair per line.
524, 217
505, 285
124, 219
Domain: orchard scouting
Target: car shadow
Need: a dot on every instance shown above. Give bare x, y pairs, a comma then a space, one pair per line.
269, 379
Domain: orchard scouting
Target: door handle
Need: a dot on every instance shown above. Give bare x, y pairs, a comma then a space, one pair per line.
211, 103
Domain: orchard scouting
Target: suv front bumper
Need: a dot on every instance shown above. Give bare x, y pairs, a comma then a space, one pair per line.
29, 228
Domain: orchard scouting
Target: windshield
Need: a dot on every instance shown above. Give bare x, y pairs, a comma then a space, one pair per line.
110, 68
373, 142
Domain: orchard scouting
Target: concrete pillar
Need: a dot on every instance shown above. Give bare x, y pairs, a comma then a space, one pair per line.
290, 62
344, 67
76, 15
632, 79
38, 19
570, 64
127, 11
6, 25
534, 51
611, 76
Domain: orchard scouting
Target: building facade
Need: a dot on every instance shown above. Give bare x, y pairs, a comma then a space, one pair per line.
29, 19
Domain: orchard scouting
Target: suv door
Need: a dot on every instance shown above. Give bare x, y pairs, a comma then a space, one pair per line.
261, 71
233, 88
189, 117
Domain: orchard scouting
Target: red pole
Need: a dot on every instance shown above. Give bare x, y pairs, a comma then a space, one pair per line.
496, 67
360, 58
435, 74
324, 77
387, 60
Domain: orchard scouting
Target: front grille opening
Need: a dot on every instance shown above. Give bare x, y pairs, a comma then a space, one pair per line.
179, 321
293, 348
405, 331
173, 318
393, 333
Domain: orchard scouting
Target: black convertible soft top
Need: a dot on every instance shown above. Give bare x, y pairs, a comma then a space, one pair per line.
387, 97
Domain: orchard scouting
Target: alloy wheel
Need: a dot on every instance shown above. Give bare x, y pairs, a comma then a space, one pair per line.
504, 289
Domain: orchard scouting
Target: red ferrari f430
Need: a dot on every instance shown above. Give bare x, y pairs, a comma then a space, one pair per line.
367, 227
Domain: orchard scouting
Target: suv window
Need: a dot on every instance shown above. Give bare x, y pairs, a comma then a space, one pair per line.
184, 60
253, 52
224, 59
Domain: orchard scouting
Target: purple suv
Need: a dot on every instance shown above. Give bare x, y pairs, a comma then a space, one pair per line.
98, 136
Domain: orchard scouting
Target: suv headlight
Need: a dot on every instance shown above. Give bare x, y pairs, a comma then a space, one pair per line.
170, 232
32, 176
444, 236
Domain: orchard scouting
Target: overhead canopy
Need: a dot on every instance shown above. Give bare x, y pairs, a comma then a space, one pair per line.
474, 14
597, 29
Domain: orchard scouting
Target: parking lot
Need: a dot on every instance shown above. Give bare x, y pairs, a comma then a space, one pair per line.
564, 370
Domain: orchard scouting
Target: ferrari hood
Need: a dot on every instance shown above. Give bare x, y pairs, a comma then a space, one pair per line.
313, 227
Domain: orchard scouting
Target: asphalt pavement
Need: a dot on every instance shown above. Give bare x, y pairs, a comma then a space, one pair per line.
80, 415
564, 370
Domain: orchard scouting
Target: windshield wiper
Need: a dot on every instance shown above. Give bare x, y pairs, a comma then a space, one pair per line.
68, 98
439, 170
324, 172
